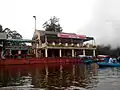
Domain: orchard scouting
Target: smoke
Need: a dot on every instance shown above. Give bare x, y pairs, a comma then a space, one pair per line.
105, 22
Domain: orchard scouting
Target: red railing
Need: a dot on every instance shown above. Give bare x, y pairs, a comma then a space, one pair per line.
39, 60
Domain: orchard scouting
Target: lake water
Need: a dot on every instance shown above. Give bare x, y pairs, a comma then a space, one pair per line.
59, 77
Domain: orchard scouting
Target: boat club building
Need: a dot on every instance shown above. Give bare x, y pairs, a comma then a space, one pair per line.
60, 44
14, 48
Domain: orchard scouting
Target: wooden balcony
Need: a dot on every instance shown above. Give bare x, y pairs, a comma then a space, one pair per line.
67, 46
18, 47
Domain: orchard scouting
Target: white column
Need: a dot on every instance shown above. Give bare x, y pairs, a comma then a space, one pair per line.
94, 52
19, 51
60, 54
73, 53
83, 51
10, 52
39, 53
46, 52
36, 52
45, 39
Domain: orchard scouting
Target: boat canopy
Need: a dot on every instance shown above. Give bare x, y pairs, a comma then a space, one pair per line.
103, 56
82, 56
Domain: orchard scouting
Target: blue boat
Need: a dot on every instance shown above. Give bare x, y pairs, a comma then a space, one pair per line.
87, 61
105, 64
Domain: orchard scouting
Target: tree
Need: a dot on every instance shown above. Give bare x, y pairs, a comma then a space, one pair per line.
52, 25
1, 28
15, 35
102, 49
11, 34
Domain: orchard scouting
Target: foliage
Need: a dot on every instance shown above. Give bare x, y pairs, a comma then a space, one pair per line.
107, 50
52, 25
1, 28
11, 34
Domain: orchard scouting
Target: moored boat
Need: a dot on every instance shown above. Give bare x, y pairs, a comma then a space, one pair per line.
104, 64
103, 58
87, 59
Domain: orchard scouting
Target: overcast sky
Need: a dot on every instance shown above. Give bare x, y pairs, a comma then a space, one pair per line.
97, 18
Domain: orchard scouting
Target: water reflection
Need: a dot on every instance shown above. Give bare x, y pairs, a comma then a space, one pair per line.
52, 76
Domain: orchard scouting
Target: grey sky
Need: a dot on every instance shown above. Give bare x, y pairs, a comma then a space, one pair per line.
97, 18
105, 22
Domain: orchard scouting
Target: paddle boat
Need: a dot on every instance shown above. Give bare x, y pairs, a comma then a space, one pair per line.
102, 58
91, 59
87, 59
104, 64
108, 63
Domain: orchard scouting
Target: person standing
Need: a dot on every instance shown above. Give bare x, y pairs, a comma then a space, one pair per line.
110, 60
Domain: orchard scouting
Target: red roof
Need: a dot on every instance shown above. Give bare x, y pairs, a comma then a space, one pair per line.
64, 35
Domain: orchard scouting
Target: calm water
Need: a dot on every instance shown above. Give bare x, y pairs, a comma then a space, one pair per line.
59, 77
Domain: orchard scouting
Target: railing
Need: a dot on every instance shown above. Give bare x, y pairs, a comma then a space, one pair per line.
67, 45
17, 47
43, 45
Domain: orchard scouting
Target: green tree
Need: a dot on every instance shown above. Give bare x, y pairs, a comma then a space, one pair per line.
52, 25
11, 34
103, 50
1, 28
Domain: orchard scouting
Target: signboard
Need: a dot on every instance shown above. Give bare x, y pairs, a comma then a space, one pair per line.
64, 35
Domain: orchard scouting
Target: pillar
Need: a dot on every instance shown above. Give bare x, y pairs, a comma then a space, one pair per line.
10, 52
45, 39
60, 54
46, 52
36, 52
83, 51
73, 53
19, 51
28, 51
39, 53
53, 54
94, 52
